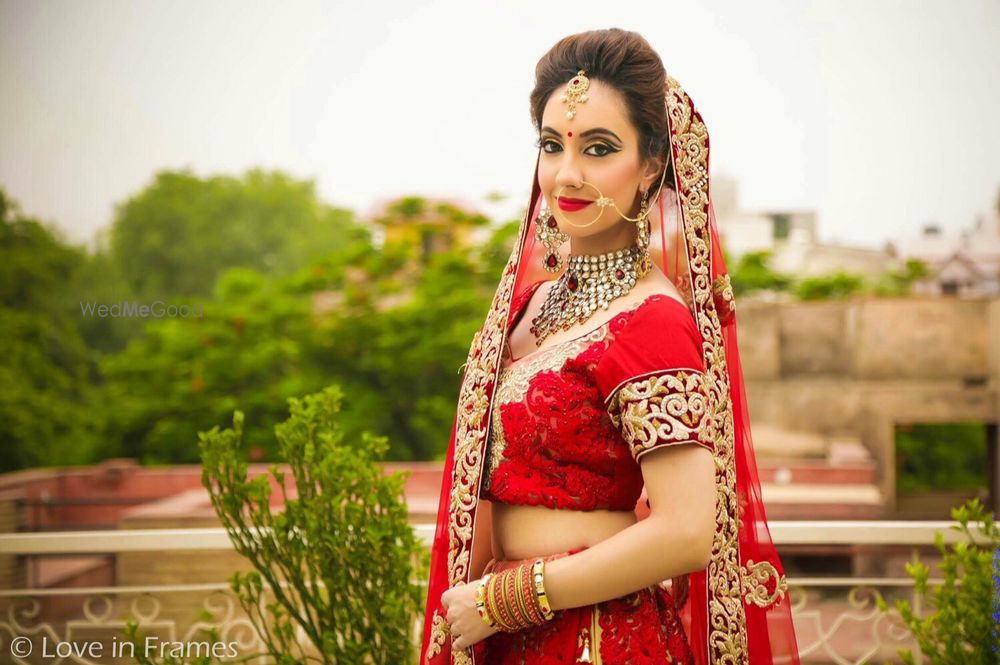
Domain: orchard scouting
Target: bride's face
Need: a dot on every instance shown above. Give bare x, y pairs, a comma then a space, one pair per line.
599, 148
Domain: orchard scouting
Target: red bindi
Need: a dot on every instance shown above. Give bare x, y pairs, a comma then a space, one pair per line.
569, 134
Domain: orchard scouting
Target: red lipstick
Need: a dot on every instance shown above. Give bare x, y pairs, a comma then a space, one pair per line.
572, 205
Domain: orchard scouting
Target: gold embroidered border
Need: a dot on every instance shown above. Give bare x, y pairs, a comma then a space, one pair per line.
663, 409
471, 434
727, 639
724, 290
755, 579
439, 633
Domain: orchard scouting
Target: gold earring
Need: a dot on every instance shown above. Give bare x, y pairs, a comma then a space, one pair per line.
548, 233
644, 264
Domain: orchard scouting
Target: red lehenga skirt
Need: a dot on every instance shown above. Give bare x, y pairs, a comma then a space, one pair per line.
637, 629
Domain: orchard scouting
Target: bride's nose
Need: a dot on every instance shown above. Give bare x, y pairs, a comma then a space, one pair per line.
569, 178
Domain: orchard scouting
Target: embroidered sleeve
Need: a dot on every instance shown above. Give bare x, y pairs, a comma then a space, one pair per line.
661, 409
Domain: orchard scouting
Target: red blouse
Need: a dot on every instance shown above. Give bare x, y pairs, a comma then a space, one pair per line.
571, 421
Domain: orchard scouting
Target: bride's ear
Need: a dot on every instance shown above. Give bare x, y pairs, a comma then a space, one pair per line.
652, 174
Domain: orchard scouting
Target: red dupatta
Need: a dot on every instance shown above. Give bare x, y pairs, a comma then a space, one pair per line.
736, 610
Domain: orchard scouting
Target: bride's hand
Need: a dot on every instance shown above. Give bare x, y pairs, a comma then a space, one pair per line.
467, 627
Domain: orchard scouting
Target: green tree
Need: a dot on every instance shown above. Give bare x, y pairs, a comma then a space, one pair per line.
393, 331
46, 367
395, 346
178, 235
99, 282
403, 362
941, 456
183, 375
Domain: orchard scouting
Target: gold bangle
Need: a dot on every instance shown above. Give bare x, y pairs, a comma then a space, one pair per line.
522, 609
530, 599
481, 601
510, 599
498, 604
538, 574
491, 602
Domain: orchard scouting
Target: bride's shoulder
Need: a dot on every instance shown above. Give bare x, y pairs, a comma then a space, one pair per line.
662, 299
663, 319
659, 336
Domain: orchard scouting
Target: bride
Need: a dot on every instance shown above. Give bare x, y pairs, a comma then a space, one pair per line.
608, 362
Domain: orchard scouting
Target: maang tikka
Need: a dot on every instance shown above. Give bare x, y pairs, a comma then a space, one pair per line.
576, 91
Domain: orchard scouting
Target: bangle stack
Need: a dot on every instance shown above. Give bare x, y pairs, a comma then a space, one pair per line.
514, 599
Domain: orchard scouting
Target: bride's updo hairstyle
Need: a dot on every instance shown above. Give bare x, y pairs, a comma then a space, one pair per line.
623, 60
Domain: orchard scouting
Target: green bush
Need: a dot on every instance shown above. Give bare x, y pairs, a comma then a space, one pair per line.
753, 273
900, 282
961, 630
839, 284
341, 559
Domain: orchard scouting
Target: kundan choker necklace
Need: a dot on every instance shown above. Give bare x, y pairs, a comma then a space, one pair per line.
588, 283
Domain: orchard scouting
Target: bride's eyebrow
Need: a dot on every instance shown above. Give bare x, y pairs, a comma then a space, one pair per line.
589, 132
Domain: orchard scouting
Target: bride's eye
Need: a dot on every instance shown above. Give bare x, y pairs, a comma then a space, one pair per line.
606, 148
541, 144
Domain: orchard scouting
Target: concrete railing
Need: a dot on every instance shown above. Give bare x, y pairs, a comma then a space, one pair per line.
817, 532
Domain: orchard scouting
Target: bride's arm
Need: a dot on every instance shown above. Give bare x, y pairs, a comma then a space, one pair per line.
676, 537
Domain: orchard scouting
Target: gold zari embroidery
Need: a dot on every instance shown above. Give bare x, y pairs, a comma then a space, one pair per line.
727, 639
755, 579
439, 633
660, 410
723, 288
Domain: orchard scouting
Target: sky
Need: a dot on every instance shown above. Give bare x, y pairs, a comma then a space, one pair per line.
880, 116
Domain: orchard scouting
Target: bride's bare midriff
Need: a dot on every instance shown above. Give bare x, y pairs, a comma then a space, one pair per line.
520, 532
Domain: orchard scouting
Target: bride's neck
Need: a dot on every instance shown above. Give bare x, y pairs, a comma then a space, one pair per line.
619, 236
